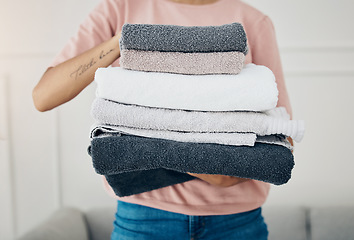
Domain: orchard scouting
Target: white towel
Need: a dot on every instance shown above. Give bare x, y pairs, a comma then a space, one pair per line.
274, 121
236, 139
253, 89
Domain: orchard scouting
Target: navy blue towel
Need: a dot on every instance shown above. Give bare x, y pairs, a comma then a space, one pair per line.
126, 153
130, 183
135, 182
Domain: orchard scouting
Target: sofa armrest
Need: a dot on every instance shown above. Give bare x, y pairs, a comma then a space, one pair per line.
328, 223
286, 222
100, 222
64, 224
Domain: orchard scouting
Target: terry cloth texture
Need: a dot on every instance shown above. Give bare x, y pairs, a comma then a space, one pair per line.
182, 63
274, 121
130, 183
173, 38
236, 139
253, 89
126, 153
276, 139
135, 182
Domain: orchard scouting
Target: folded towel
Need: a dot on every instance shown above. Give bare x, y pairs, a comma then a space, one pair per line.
182, 63
236, 139
130, 183
253, 89
135, 182
126, 153
172, 38
274, 121
277, 139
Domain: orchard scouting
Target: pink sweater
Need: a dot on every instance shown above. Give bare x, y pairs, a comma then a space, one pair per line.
195, 197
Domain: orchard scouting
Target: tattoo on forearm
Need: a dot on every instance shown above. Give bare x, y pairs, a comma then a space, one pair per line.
103, 54
84, 67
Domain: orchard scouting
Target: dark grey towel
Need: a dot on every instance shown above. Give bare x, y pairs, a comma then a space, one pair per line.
135, 182
126, 153
130, 183
173, 38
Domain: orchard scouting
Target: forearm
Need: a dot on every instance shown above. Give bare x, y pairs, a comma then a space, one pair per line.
63, 82
219, 180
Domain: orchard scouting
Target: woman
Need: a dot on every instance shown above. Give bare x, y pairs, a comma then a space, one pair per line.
212, 206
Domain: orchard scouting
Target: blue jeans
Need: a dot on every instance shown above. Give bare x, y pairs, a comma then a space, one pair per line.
144, 223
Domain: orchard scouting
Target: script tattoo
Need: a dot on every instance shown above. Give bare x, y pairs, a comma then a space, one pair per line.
103, 54
84, 67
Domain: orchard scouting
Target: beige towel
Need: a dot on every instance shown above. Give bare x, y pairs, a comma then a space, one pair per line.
183, 63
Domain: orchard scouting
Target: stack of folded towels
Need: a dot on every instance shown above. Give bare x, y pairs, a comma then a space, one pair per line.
183, 101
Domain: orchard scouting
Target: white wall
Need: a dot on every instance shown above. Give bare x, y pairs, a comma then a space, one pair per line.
317, 50
43, 159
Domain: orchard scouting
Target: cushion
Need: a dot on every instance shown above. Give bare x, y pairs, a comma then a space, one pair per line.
100, 222
329, 223
64, 224
286, 222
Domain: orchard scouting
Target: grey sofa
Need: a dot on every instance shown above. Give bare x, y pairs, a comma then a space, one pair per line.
284, 223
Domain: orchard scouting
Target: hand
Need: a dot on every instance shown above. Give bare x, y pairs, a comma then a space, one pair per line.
219, 180
291, 142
